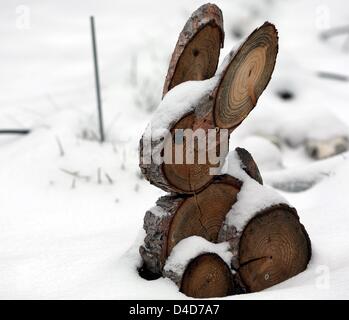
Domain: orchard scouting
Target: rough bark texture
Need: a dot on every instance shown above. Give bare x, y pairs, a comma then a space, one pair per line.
153, 252
201, 214
196, 54
152, 171
273, 247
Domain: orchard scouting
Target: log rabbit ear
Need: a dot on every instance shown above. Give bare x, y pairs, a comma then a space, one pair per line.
244, 76
196, 54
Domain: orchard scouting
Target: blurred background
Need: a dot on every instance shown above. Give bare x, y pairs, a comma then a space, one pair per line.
70, 207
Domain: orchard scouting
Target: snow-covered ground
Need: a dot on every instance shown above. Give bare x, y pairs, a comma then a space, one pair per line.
71, 210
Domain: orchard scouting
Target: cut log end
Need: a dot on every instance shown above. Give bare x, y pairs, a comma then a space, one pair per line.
203, 214
246, 76
199, 59
273, 248
207, 276
197, 51
187, 176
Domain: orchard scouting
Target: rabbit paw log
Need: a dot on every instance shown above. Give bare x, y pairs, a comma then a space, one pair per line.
207, 276
178, 217
196, 54
273, 247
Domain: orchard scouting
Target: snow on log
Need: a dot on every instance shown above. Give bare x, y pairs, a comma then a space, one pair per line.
201, 268
221, 102
196, 54
273, 247
268, 242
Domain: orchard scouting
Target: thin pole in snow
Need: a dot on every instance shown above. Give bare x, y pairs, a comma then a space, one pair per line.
14, 131
98, 89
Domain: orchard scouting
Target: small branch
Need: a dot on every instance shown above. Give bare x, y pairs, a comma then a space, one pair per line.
334, 32
75, 174
61, 150
15, 131
333, 76
110, 180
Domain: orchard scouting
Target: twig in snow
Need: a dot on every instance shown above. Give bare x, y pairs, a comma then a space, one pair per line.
61, 150
73, 185
334, 32
110, 180
333, 76
75, 174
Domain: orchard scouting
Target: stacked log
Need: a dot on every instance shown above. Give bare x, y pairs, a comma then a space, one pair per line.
216, 235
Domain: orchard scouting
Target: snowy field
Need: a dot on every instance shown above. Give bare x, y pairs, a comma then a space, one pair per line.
71, 209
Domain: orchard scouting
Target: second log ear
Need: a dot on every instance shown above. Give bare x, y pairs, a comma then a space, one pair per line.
244, 75
196, 54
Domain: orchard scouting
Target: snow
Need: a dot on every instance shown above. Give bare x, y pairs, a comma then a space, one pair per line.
178, 102
192, 247
265, 152
60, 242
300, 178
246, 207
